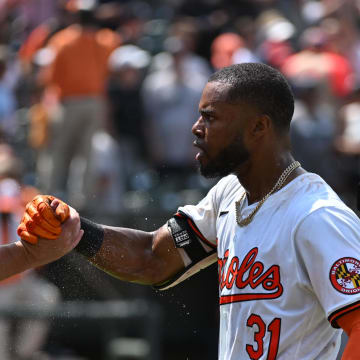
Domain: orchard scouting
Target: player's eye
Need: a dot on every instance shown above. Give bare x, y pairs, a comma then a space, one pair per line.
208, 117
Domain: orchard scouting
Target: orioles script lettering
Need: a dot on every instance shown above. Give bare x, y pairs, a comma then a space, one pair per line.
250, 276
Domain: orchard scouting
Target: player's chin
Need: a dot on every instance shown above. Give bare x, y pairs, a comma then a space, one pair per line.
215, 168
203, 164
207, 170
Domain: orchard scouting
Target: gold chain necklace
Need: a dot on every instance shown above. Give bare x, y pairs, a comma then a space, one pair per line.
246, 221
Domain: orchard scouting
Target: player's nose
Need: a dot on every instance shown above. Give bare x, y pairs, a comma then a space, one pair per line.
198, 128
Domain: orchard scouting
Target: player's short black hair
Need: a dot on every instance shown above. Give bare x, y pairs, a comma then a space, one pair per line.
263, 87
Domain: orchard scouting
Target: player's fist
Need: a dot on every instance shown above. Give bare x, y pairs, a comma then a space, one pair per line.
43, 218
46, 251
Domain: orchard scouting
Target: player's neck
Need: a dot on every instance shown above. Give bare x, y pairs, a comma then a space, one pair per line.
261, 175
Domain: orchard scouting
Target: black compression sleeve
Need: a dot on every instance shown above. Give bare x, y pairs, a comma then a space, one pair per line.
92, 239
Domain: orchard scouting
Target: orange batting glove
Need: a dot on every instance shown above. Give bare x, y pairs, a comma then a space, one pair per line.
42, 220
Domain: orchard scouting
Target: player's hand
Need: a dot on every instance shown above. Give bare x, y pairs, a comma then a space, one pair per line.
43, 218
45, 251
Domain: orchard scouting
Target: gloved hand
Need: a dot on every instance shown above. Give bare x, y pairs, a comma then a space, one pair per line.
43, 218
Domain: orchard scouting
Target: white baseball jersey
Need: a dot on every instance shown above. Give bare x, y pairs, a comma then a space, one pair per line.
285, 278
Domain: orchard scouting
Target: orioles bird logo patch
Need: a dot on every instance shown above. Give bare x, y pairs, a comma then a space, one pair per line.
345, 275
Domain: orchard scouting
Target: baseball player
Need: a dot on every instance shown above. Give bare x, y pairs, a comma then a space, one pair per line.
287, 247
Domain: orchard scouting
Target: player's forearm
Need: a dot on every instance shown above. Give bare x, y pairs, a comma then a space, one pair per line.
132, 255
13, 260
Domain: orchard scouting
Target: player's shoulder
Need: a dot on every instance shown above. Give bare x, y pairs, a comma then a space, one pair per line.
227, 189
312, 194
315, 189
228, 183
318, 213
222, 194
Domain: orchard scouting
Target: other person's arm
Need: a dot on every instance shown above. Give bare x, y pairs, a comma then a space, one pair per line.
20, 256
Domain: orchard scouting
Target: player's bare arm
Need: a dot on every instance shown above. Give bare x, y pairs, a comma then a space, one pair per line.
22, 255
137, 256
128, 254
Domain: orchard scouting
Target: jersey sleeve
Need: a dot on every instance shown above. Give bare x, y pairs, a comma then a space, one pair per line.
329, 245
193, 229
203, 216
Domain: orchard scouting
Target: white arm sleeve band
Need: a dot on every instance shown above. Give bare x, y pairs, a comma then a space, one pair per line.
196, 251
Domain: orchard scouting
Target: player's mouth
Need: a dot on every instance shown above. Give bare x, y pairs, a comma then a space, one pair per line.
201, 153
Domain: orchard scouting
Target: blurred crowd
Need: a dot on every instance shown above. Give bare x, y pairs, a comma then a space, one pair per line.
97, 100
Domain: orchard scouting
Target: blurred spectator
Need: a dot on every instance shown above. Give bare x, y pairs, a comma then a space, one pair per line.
35, 12
171, 94
129, 19
317, 60
274, 36
79, 14
7, 99
43, 119
343, 37
80, 71
119, 151
224, 47
19, 339
245, 26
347, 144
179, 52
313, 130
128, 65
109, 169
40, 36
170, 105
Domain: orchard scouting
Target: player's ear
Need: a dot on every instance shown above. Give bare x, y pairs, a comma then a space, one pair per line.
261, 125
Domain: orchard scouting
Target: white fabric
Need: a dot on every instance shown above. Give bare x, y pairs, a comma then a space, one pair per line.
281, 265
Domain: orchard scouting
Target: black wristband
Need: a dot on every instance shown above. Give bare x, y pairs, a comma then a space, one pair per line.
92, 239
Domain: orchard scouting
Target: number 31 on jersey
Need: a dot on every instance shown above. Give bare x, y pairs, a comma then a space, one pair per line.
256, 350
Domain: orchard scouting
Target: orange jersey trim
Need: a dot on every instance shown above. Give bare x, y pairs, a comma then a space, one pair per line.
332, 318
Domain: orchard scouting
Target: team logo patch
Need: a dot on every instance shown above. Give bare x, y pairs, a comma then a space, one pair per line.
345, 275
